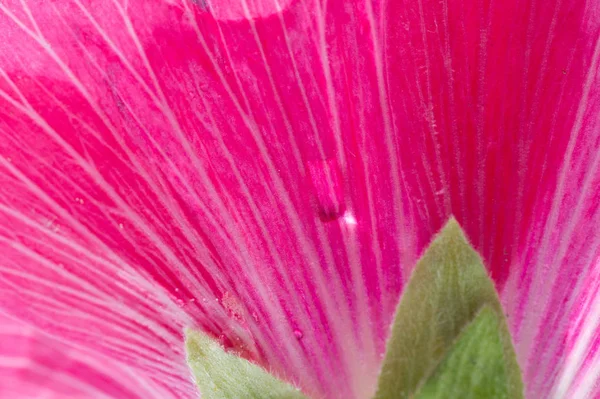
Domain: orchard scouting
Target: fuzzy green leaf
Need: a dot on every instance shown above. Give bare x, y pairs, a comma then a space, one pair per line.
222, 375
447, 289
474, 367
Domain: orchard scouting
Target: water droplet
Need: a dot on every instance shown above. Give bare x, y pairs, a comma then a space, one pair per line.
349, 219
255, 316
328, 188
298, 334
52, 224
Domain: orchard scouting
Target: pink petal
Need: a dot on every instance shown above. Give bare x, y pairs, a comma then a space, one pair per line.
273, 180
239, 10
209, 190
33, 365
579, 374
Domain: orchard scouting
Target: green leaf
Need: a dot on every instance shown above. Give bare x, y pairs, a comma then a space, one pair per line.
474, 367
222, 375
447, 289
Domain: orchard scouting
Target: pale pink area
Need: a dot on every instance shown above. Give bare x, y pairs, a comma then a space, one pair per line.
242, 9
273, 180
33, 365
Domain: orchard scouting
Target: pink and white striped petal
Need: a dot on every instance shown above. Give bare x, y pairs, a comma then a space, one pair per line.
269, 171
33, 365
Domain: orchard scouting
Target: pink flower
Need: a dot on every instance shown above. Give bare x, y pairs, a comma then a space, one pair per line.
270, 171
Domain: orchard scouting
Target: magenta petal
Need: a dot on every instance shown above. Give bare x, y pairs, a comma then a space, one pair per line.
273, 180
33, 365
149, 183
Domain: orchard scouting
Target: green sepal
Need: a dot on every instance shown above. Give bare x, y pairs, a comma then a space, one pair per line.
448, 288
222, 375
474, 367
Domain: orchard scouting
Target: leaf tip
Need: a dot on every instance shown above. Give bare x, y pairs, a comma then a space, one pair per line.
452, 230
